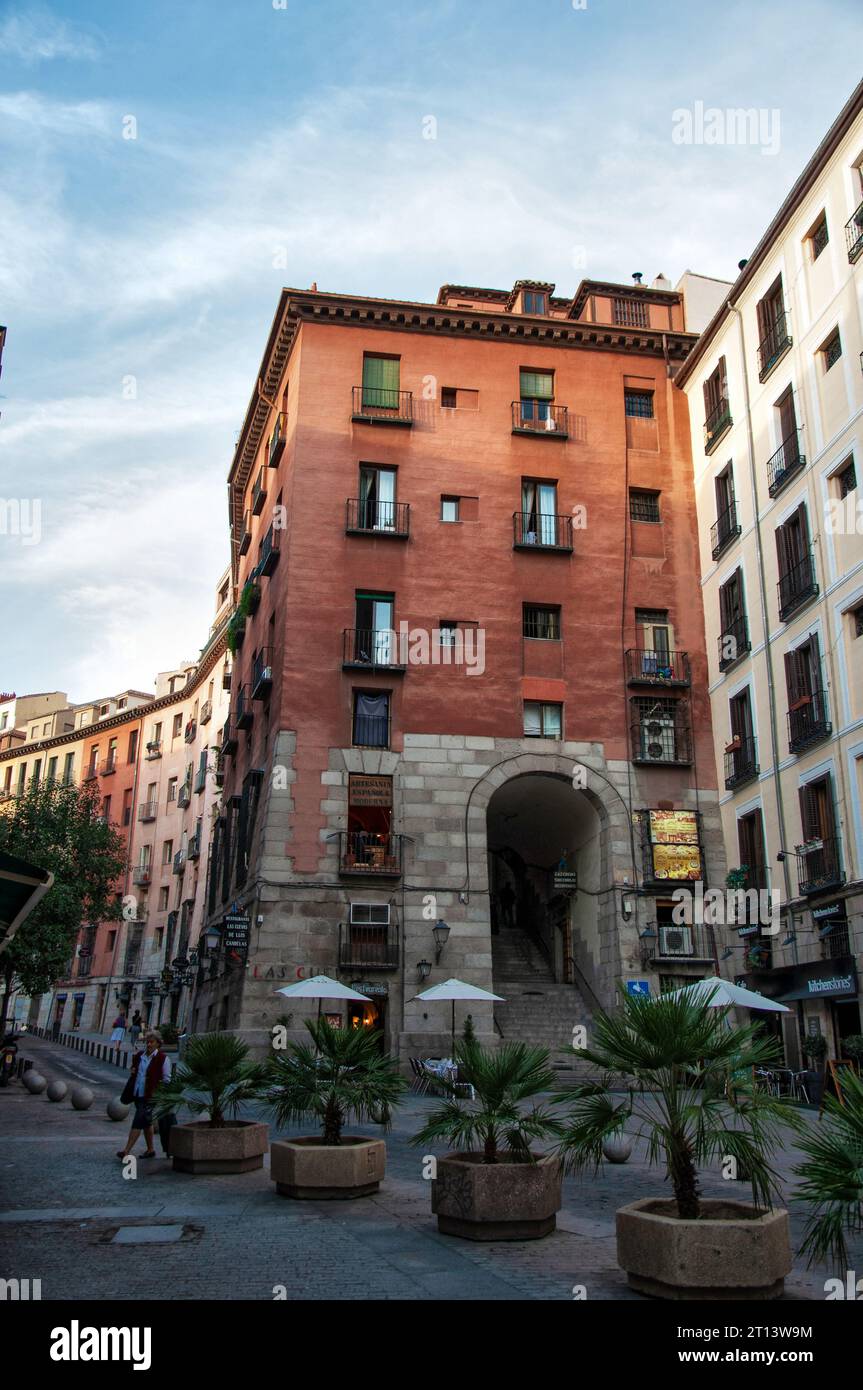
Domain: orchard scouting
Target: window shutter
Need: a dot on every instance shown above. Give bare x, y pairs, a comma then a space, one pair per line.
537, 385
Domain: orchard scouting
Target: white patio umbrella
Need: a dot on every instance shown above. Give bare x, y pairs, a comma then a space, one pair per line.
722, 995
457, 989
321, 987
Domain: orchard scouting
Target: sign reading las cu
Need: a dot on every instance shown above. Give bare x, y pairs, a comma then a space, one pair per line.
284, 971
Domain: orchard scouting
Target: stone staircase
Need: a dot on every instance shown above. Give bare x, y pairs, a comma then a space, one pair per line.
537, 1010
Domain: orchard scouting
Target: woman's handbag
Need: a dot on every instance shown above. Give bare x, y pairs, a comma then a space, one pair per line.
128, 1094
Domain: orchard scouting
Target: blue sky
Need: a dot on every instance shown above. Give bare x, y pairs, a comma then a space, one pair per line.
138, 277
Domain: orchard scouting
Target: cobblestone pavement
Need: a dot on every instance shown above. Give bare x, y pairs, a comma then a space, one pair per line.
63, 1197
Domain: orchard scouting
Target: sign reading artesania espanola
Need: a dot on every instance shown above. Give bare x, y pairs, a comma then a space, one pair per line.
237, 927
366, 789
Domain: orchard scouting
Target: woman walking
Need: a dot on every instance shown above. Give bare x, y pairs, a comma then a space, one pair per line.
135, 1030
150, 1069
118, 1030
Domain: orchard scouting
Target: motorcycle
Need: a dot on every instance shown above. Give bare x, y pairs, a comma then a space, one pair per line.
8, 1059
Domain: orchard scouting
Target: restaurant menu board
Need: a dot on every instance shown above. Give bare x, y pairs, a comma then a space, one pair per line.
674, 845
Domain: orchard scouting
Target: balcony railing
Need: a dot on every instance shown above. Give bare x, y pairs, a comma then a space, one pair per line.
194, 849
657, 668
819, 865
797, 586
228, 738
381, 406
741, 762
661, 739
131, 960
206, 711
733, 643
371, 731
785, 463
147, 810
246, 533
532, 532
262, 674
368, 948
108, 765
190, 731
808, 721
718, 421
371, 647
684, 942
184, 795
154, 750
724, 530
179, 861
854, 234
200, 779
259, 492
269, 549
141, 875
774, 343
364, 518
277, 440
363, 852
244, 712
540, 417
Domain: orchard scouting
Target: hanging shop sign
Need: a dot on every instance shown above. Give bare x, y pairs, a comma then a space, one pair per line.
371, 988
674, 844
235, 938
368, 790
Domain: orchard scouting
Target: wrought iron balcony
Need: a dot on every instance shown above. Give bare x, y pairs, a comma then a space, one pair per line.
226, 678
773, 345
718, 421
244, 712
108, 765
154, 750
190, 731
819, 865
724, 530
259, 492
660, 732
657, 668
854, 234
370, 647
200, 779
532, 532
540, 417
179, 861
269, 550
262, 674
373, 855
184, 795
194, 848
368, 948
206, 712
387, 519
797, 587
785, 463
371, 731
741, 762
277, 440
147, 810
378, 405
808, 721
733, 643
246, 534
228, 743
141, 875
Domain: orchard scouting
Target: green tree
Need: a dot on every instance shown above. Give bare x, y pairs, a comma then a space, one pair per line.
58, 827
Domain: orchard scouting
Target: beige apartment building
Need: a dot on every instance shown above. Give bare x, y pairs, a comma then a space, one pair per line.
776, 409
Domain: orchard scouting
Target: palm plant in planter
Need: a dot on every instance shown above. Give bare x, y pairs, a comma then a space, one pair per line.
495, 1187
832, 1173
343, 1075
680, 1056
216, 1078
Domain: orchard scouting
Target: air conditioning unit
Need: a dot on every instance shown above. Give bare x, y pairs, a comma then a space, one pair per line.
675, 941
657, 740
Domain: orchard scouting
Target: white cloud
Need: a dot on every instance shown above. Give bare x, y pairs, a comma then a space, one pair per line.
35, 35
61, 118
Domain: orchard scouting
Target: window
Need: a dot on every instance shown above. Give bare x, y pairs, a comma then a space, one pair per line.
22, 777
734, 635
819, 237
68, 764
542, 720
857, 619
374, 638
772, 328
643, 506
127, 807
538, 513
377, 500
807, 705
172, 789
51, 774
448, 398
631, 313
638, 404
106, 807
177, 727
534, 303
654, 633
542, 623
133, 746
371, 722
381, 382
163, 899
796, 568
717, 413
847, 478
46, 729
447, 630
832, 350
536, 393
167, 851
750, 844
370, 914
449, 508
370, 843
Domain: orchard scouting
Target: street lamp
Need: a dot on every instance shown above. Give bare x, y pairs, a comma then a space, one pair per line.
423, 969
440, 932
212, 939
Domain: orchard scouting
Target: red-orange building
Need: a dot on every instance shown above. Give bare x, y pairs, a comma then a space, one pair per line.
471, 658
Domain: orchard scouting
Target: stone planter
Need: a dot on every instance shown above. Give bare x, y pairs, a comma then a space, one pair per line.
496, 1201
729, 1253
237, 1147
309, 1168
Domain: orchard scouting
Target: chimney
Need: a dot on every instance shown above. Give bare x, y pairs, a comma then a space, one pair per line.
741, 265
661, 282
636, 276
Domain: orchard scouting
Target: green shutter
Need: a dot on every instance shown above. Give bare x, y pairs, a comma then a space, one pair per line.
538, 386
381, 382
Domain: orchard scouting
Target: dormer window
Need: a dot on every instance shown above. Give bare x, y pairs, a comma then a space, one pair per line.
534, 302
